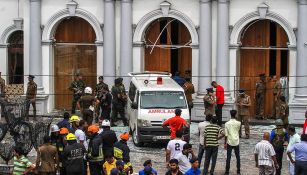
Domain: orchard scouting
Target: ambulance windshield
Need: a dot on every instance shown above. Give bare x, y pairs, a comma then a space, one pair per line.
163, 99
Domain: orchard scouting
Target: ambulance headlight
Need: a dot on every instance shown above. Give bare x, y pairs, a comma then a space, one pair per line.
144, 123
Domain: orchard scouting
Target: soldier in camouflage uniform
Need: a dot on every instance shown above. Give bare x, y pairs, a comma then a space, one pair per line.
260, 93
209, 102
31, 97
243, 102
77, 87
283, 111
100, 90
276, 93
119, 101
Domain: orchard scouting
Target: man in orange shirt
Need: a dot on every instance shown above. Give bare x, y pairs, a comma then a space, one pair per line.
175, 123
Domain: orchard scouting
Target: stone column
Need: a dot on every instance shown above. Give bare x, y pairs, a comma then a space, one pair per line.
35, 55
222, 62
126, 40
301, 49
205, 48
109, 57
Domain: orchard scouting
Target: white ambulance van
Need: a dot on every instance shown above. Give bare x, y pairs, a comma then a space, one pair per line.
152, 99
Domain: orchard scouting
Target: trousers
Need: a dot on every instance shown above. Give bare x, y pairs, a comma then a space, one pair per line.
219, 113
211, 154
237, 153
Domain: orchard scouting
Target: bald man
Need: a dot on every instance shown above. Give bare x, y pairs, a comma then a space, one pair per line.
265, 156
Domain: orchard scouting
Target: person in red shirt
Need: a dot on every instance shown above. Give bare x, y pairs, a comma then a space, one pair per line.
305, 124
175, 123
219, 93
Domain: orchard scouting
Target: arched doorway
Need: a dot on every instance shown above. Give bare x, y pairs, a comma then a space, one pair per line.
264, 50
15, 58
167, 47
74, 51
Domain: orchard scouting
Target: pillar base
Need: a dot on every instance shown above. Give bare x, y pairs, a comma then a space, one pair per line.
297, 109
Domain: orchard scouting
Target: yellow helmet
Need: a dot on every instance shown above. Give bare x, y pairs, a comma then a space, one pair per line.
74, 118
70, 136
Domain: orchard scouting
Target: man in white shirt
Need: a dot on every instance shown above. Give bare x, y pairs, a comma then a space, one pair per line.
174, 146
80, 134
232, 129
294, 138
184, 158
265, 156
201, 131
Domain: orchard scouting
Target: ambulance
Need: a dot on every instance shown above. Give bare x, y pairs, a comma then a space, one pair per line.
152, 99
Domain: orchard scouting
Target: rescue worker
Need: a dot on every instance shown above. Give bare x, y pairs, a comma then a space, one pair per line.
122, 151
209, 102
283, 112
189, 91
74, 120
86, 104
31, 97
63, 134
95, 152
119, 101
244, 102
108, 137
54, 134
77, 87
100, 88
259, 96
277, 138
47, 159
276, 93
73, 156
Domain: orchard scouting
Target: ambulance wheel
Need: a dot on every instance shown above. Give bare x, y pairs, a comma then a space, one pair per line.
136, 140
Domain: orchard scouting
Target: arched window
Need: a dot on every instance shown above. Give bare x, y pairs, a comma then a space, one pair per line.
15, 58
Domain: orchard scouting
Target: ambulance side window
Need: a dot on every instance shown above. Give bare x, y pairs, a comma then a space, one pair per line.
132, 92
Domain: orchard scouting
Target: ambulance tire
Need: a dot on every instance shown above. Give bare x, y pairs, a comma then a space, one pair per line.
135, 139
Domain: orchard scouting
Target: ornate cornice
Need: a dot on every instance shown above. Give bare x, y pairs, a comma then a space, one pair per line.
8, 31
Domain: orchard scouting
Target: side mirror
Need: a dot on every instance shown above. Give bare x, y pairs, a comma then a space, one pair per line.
134, 105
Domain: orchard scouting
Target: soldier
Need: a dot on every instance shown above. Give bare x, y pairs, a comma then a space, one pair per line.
260, 93
209, 102
86, 105
276, 93
189, 91
283, 111
77, 86
243, 102
105, 101
31, 97
119, 101
100, 92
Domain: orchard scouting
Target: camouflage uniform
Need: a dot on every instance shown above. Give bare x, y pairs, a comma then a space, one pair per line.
189, 91
118, 103
277, 94
77, 86
283, 113
244, 103
260, 93
101, 89
31, 98
209, 103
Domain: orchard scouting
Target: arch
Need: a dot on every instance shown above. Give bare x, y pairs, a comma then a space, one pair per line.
7, 33
156, 14
239, 26
51, 25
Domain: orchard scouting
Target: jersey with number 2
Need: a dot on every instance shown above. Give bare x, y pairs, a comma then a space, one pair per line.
175, 146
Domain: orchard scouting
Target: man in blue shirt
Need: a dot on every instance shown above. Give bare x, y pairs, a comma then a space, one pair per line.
194, 167
300, 150
147, 164
65, 122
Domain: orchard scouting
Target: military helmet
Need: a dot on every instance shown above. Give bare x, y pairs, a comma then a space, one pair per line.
71, 136
74, 118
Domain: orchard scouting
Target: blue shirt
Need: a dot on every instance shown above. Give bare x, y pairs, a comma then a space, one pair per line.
142, 172
272, 135
193, 172
65, 124
179, 80
300, 151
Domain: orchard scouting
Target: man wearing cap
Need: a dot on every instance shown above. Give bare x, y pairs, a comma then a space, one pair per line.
95, 152
209, 102
243, 103
108, 137
259, 96
219, 96
77, 87
73, 156
62, 144
122, 151
175, 123
189, 91
119, 101
86, 104
31, 97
